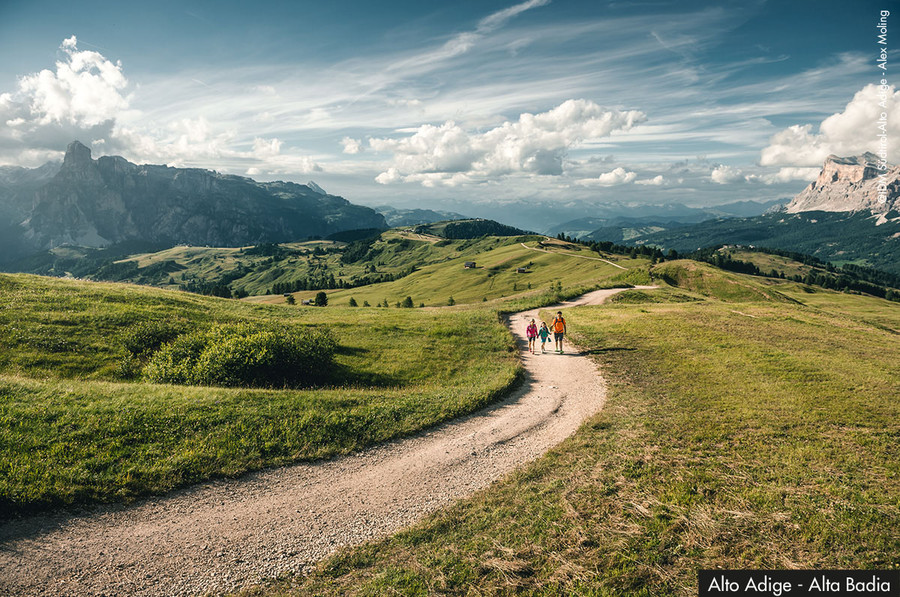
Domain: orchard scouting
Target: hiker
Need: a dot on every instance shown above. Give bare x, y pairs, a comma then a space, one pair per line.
558, 325
531, 332
544, 333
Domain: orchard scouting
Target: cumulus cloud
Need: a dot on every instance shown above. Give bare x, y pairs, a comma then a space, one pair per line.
791, 174
266, 148
656, 181
351, 146
608, 179
85, 90
727, 175
79, 99
850, 132
391, 175
533, 144
86, 97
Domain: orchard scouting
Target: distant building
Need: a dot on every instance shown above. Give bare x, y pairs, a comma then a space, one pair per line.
521, 270
469, 265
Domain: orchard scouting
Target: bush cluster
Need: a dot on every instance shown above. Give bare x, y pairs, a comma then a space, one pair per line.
243, 355
148, 336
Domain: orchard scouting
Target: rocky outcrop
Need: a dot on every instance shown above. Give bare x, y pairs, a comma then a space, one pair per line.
110, 200
851, 184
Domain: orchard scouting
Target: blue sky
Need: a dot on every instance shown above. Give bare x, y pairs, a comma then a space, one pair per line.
432, 103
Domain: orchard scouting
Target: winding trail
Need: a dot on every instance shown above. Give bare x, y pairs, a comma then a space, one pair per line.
224, 535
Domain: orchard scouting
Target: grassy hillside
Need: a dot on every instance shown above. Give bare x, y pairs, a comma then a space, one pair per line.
766, 262
708, 281
332, 265
324, 264
747, 433
75, 432
836, 237
469, 228
494, 275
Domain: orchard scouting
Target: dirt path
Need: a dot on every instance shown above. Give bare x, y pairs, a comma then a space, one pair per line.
224, 535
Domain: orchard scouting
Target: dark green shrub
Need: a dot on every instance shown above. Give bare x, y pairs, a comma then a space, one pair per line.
148, 336
246, 356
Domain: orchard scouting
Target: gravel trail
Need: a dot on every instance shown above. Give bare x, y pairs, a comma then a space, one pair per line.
224, 535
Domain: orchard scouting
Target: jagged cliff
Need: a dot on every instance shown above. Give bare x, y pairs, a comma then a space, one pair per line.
850, 184
109, 200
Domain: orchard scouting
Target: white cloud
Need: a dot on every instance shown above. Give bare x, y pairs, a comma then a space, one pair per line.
392, 175
351, 146
266, 148
656, 181
608, 179
727, 175
85, 90
85, 98
534, 144
850, 132
790, 174
499, 18
461, 43
80, 99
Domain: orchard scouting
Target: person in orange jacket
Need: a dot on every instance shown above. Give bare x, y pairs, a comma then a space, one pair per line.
558, 325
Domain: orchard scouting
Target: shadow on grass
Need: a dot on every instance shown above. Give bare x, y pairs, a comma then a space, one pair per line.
350, 350
341, 375
606, 350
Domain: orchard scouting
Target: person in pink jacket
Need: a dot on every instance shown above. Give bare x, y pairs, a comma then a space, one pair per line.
531, 332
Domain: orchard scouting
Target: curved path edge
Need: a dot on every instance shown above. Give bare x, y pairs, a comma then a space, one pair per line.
225, 535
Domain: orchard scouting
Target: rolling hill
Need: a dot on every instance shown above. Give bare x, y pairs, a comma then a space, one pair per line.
839, 237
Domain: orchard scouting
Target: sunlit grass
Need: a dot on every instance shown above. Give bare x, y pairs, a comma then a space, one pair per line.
72, 433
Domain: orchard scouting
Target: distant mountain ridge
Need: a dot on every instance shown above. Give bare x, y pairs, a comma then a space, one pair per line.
414, 217
110, 200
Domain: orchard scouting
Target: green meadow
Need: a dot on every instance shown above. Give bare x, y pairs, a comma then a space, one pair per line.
76, 429
495, 275
748, 424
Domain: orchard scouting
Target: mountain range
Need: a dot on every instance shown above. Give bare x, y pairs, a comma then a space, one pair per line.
838, 218
110, 200
414, 217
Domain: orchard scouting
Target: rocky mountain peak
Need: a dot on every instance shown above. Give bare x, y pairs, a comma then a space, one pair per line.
111, 200
316, 188
77, 155
850, 184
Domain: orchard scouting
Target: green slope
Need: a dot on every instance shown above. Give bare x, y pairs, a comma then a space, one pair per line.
708, 281
836, 237
74, 432
494, 276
